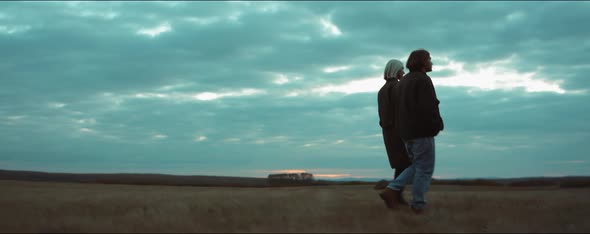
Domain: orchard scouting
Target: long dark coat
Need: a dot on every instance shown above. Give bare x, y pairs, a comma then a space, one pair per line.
396, 151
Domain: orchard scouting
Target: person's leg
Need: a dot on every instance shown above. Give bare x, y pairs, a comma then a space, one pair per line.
401, 199
392, 194
422, 150
398, 171
405, 177
393, 147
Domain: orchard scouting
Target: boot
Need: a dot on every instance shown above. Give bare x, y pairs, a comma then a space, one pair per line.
390, 197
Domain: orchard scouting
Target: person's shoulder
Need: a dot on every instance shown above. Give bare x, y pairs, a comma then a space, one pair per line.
421, 75
415, 76
390, 83
385, 87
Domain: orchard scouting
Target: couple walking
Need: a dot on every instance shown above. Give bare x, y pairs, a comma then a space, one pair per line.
410, 119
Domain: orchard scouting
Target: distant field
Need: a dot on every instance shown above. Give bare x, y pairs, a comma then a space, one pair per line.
78, 207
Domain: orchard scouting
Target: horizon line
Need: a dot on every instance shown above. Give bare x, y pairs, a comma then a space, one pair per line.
260, 177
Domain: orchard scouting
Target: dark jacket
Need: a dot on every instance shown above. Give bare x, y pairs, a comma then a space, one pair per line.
386, 103
396, 151
417, 113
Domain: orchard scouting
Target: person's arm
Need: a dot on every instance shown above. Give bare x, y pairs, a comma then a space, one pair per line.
428, 103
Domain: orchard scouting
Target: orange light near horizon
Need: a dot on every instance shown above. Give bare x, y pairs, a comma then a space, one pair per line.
332, 175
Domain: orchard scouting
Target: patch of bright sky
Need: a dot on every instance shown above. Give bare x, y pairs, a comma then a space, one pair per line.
103, 15
281, 79
235, 17
14, 29
87, 130
496, 75
336, 69
364, 85
329, 28
186, 96
150, 95
90, 121
519, 15
155, 31
271, 140
269, 7
159, 136
15, 117
170, 3
57, 105
200, 138
207, 96
174, 86
232, 139
488, 76
202, 20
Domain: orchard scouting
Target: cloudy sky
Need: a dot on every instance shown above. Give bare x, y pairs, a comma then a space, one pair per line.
252, 88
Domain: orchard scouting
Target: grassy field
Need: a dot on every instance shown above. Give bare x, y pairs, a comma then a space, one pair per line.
72, 207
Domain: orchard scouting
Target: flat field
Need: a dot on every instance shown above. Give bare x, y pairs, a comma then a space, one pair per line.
78, 207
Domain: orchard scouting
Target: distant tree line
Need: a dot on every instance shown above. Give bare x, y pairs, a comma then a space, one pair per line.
290, 179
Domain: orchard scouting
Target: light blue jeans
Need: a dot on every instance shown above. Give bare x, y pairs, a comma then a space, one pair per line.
421, 153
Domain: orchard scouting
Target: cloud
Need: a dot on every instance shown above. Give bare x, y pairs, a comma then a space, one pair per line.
287, 84
14, 29
496, 75
330, 29
362, 85
155, 31
336, 69
281, 79
200, 138
232, 139
87, 130
207, 96
89, 121
57, 105
159, 136
18, 117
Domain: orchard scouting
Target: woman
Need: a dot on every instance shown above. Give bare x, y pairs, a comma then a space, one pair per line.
386, 98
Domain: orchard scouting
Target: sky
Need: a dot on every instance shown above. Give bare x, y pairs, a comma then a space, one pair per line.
236, 88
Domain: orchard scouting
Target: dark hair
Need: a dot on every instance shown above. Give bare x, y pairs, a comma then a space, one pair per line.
417, 60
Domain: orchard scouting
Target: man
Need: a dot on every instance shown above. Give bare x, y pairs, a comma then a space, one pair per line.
418, 121
386, 99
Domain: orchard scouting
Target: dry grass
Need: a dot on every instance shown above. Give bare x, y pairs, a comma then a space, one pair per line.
70, 207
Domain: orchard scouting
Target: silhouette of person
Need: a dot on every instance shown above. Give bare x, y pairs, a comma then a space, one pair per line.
386, 99
418, 121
